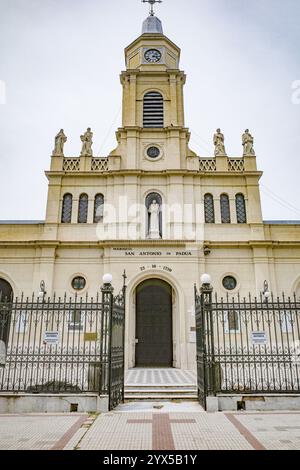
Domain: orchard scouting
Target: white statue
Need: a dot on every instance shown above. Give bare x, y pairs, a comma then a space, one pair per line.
60, 141
248, 142
154, 211
87, 142
219, 144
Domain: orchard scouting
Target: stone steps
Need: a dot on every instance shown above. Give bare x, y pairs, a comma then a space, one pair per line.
162, 391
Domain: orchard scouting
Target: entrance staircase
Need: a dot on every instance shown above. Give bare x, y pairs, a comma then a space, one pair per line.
160, 384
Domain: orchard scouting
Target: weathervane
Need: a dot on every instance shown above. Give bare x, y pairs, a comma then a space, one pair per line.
152, 3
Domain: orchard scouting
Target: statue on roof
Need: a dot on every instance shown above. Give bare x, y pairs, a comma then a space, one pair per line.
60, 141
219, 144
248, 142
87, 142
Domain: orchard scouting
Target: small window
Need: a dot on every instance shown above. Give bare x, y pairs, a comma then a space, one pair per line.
76, 320
66, 215
229, 283
225, 209
78, 283
153, 152
233, 320
209, 209
240, 205
98, 208
286, 321
83, 209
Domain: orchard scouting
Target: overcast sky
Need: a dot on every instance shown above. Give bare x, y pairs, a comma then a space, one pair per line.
60, 61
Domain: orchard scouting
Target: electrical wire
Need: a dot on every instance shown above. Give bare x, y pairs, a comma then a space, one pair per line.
110, 129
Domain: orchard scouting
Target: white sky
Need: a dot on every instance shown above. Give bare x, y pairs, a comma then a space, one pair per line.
60, 61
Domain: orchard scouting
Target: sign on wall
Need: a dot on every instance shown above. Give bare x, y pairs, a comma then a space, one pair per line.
51, 337
259, 338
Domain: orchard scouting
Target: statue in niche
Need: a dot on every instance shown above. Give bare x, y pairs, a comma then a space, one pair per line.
219, 144
154, 211
60, 141
87, 142
248, 142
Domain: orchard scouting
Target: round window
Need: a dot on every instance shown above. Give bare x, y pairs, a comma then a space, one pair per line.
229, 282
78, 283
153, 152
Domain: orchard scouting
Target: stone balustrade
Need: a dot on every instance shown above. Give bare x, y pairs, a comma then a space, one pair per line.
203, 165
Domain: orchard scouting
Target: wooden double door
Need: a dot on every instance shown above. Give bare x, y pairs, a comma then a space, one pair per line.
154, 335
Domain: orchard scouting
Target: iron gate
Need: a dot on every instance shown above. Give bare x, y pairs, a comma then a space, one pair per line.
247, 345
63, 345
202, 303
116, 350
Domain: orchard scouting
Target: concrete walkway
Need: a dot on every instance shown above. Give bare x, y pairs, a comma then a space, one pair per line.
153, 426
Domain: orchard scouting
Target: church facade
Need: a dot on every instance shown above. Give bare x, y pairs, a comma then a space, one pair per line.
156, 209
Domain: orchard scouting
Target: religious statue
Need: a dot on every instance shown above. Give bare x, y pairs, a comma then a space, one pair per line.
87, 142
60, 141
248, 142
154, 211
219, 144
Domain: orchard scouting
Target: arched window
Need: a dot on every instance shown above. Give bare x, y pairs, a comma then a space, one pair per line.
98, 208
225, 209
153, 111
209, 209
83, 209
151, 222
241, 215
66, 214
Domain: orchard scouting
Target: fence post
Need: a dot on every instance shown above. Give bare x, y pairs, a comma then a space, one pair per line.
106, 333
208, 333
123, 334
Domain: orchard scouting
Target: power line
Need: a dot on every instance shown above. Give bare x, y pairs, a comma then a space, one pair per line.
109, 131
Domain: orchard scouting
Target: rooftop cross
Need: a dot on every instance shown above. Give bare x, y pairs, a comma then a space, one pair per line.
152, 3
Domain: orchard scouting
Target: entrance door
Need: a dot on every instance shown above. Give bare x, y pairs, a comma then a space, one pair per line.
6, 295
154, 324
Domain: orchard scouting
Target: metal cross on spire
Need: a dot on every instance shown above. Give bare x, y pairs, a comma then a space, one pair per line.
152, 3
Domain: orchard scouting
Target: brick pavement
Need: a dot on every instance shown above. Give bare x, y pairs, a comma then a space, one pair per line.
149, 426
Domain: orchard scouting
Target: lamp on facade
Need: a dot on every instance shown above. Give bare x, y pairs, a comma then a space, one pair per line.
205, 280
266, 292
206, 250
107, 279
43, 291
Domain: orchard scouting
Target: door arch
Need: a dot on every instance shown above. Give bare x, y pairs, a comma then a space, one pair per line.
6, 291
154, 329
6, 295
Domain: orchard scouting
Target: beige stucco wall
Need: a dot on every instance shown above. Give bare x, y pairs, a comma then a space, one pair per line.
56, 252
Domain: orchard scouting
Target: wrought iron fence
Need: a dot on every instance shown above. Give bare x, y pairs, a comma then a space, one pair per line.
247, 345
59, 345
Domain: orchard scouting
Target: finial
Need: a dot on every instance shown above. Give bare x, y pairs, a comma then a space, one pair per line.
152, 3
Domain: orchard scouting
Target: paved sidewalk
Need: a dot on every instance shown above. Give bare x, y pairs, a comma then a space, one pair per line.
153, 426
39, 431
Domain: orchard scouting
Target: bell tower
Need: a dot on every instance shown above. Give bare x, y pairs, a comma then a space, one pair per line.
153, 134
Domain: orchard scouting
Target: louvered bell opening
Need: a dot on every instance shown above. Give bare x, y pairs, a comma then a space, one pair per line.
153, 115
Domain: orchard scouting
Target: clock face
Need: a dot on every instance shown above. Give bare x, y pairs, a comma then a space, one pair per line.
152, 55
